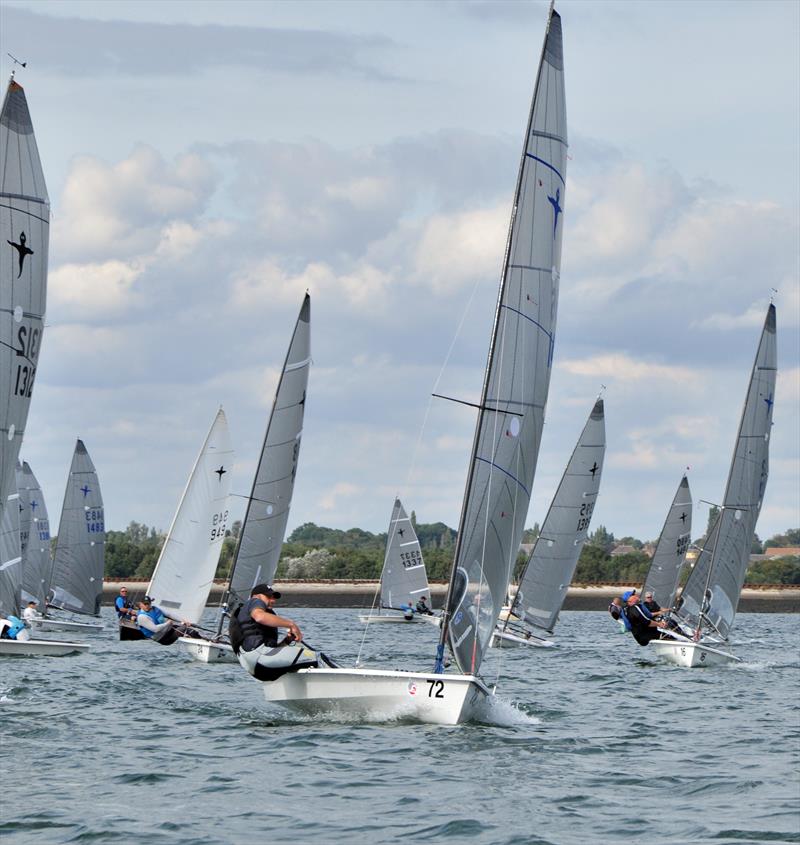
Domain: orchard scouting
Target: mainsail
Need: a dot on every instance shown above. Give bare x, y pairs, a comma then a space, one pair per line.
712, 590
77, 582
403, 578
665, 568
24, 238
509, 426
10, 558
188, 561
264, 525
543, 584
34, 532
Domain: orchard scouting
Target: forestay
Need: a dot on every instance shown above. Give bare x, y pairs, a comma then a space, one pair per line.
24, 237
188, 561
261, 538
403, 578
10, 558
544, 583
673, 543
77, 582
713, 588
509, 425
34, 533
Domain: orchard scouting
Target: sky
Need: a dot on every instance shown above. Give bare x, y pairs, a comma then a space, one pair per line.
207, 163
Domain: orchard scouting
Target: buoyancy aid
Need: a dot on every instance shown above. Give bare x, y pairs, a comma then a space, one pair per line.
15, 626
155, 614
245, 633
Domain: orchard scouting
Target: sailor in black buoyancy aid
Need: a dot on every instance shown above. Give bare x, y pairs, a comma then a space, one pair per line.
644, 626
253, 630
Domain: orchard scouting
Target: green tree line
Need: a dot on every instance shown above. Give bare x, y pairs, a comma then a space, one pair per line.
315, 552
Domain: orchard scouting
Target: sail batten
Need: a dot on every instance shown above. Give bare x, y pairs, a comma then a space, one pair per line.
506, 443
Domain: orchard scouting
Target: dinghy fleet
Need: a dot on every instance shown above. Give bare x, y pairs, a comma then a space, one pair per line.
482, 609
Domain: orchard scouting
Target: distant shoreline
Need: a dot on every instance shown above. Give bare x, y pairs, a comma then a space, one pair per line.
361, 594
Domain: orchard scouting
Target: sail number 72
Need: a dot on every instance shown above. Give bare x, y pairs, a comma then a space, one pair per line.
438, 686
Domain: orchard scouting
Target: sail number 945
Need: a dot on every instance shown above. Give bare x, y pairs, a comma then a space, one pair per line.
218, 525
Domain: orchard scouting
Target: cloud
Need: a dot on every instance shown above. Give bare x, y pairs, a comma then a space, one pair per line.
69, 45
627, 371
331, 500
104, 289
119, 210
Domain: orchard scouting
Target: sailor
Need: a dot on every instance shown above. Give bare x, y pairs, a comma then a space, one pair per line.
13, 628
123, 605
650, 603
408, 611
254, 636
422, 607
643, 626
152, 622
616, 610
29, 614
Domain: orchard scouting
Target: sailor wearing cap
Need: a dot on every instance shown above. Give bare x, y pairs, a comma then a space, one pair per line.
254, 636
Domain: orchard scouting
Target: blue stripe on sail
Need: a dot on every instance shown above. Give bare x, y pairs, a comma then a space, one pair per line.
477, 458
547, 164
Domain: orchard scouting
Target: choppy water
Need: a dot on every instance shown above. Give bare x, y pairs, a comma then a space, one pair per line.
594, 742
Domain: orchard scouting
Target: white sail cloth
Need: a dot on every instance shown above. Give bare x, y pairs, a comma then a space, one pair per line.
512, 407
188, 561
403, 578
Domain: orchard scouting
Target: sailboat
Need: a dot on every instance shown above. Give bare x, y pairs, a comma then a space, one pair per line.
77, 581
670, 554
34, 532
24, 242
10, 586
504, 454
545, 580
403, 577
185, 569
258, 548
707, 606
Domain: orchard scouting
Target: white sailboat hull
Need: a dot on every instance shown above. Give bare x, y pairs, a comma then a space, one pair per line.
64, 625
207, 652
506, 639
691, 655
40, 648
379, 694
394, 618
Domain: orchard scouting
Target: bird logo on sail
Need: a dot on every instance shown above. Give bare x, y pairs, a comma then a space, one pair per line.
557, 209
22, 250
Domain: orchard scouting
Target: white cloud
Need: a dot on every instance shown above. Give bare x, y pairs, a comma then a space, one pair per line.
81, 290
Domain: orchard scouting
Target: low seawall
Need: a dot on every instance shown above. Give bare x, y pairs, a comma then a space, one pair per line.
362, 594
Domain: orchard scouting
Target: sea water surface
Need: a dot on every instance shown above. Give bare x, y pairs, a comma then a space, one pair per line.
591, 742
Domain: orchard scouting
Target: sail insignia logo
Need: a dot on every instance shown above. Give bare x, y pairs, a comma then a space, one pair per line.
23, 250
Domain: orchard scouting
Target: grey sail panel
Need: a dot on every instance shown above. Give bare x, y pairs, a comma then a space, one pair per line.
673, 543
267, 512
403, 579
544, 583
77, 582
10, 558
719, 591
24, 239
509, 425
34, 531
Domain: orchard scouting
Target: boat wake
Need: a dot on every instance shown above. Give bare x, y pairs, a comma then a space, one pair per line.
504, 714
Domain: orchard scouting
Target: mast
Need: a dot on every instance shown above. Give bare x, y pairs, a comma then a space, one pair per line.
529, 246
290, 451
